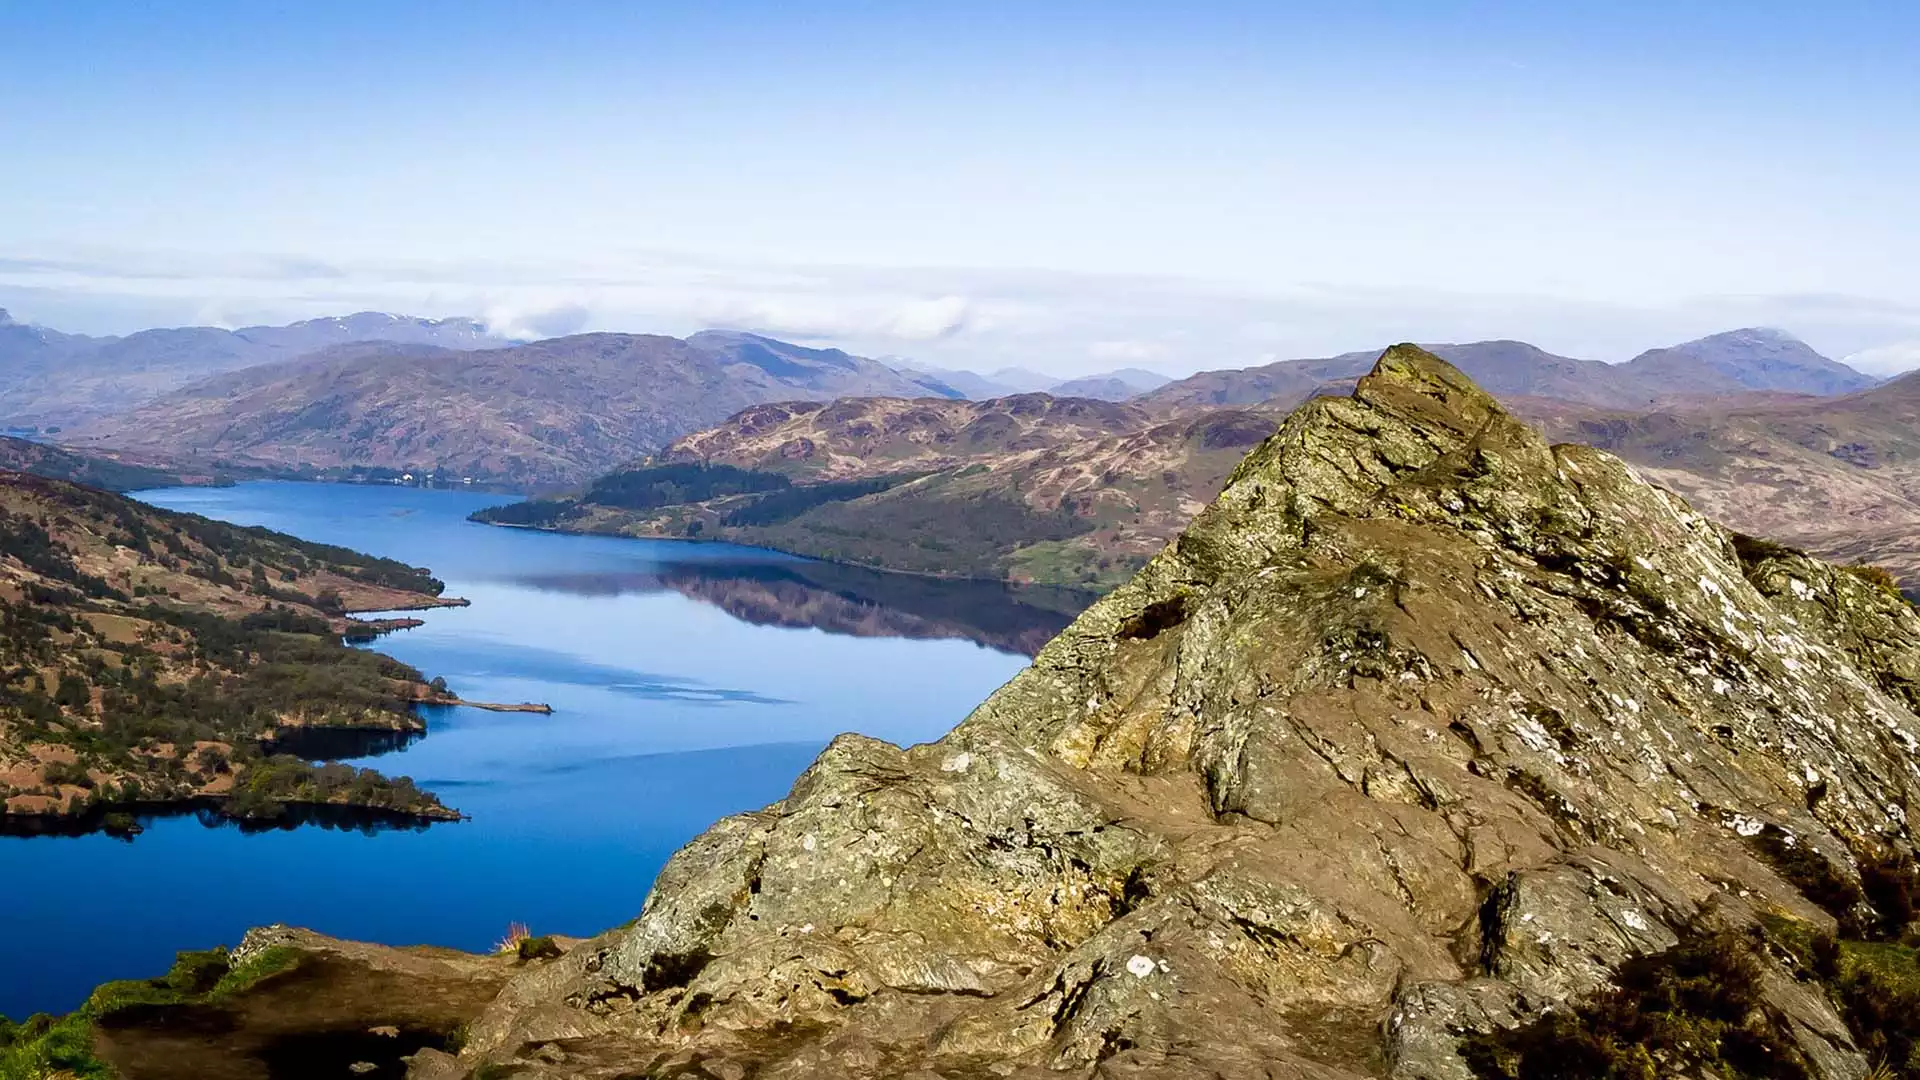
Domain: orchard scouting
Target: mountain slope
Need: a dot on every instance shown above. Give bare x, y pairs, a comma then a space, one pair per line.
828, 373
1840, 476
966, 384
106, 472
1111, 385
1750, 359
311, 335
152, 657
1418, 740
547, 412
52, 379
1030, 488
1006, 382
874, 436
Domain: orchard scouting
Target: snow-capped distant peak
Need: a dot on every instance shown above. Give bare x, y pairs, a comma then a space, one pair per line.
1749, 336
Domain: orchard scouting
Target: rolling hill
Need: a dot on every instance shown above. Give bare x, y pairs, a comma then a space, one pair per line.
104, 471
1116, 385
1839, 476
548, 412
1750, 359
1111, 385
51, 379
1029, 488
153, 657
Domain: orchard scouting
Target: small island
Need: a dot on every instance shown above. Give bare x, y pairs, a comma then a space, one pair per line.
150, 661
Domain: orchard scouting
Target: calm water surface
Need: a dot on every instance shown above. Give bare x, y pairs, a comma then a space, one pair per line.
689, 681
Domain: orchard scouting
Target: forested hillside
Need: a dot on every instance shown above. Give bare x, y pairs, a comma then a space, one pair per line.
150, 657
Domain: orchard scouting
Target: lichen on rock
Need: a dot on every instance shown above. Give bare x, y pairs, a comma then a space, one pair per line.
1423, 727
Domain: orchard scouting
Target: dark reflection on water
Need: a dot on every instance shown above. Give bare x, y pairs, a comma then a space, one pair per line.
364, 820
339, 744
849, 600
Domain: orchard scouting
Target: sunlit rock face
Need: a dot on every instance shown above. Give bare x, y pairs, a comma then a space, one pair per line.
1423, 726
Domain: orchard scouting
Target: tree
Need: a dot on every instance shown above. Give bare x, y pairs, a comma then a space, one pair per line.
73, 692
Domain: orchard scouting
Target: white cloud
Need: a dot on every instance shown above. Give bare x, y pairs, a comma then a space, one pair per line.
1127, 352
512, 321
1891, 359
837, 317
1062, 323
928, 320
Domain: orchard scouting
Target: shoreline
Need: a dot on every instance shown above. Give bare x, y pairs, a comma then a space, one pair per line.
360, 631
929, 575
425, 603
448, 700
296, 814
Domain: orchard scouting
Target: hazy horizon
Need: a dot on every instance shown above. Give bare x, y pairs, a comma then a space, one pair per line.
1072, 190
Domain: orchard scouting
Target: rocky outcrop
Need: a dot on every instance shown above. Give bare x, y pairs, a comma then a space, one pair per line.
1423, 727
293, 1003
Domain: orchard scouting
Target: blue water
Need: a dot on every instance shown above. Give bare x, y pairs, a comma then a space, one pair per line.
669, 714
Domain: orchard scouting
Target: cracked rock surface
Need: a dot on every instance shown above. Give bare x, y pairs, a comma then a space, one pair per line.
1423, 726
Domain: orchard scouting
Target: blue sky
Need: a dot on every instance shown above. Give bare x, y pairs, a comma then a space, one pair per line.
1066, 186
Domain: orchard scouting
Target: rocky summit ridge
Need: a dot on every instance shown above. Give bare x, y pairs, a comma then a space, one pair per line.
1421, 730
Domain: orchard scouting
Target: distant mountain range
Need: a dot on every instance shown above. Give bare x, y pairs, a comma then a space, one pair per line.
547, 412
1750, 359
51, 379
1072, 492
903, 469
1111, 386
1105, 386
374, 391
1839, 476
1738, 361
